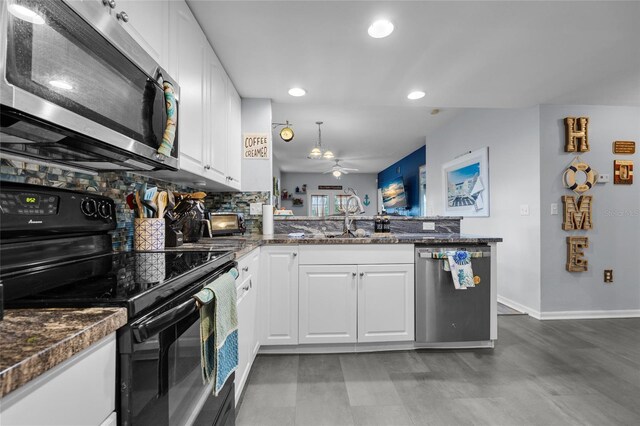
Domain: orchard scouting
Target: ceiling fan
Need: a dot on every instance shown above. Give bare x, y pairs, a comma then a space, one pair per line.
337, 170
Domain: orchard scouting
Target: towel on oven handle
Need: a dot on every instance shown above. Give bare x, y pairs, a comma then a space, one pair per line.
218, 330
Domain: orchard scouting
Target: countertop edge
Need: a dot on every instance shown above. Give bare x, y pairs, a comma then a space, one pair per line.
35, 365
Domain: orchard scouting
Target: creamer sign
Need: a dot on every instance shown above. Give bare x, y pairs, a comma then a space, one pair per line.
256, 146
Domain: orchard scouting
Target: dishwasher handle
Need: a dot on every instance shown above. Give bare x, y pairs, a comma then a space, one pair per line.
445, 254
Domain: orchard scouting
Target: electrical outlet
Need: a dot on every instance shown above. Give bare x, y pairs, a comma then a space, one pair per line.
255, 208
428, 226
608, 275
524, 209
604, 178
554, 208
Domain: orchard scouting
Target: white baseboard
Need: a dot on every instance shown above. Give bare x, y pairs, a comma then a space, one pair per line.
519, 307
560, 315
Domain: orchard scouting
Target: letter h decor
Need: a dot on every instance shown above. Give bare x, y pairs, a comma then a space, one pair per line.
577, 215
577, 137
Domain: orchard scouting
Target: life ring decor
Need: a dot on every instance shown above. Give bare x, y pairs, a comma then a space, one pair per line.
569, 177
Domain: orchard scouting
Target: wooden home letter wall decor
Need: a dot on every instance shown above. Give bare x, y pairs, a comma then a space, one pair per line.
576, 261
577, 215
623, 172
577, 137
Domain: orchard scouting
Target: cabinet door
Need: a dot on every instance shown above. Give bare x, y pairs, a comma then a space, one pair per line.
385, 303
147, 23
279, 295
254, 289
327, 304
245, 333
216, 118
189, 48
234, 137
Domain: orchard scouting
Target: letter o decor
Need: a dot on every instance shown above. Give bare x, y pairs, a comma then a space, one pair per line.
569, 177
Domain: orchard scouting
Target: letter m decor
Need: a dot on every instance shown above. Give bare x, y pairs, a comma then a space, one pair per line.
577, 137
577, 215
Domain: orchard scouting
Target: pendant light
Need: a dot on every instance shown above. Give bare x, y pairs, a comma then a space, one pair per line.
319, 153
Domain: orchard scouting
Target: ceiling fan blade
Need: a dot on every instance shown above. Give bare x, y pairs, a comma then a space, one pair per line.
349, 168
328, 171
344, 172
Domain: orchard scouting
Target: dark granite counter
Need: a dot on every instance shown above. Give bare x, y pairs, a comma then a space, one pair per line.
33, 341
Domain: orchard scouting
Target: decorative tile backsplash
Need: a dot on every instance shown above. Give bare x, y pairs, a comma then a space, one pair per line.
239, 202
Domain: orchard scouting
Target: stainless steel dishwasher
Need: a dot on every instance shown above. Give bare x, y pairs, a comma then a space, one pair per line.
444, 314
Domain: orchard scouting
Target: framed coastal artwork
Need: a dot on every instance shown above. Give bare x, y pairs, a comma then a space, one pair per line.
466, 184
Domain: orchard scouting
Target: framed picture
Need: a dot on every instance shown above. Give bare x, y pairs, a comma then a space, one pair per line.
466, 184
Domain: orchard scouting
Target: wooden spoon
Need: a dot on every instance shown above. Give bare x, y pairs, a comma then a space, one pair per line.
140, 206
161, 202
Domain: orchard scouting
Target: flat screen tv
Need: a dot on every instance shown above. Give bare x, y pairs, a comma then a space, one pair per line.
393, 194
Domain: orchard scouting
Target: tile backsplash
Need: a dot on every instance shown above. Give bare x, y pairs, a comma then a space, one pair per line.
118, 184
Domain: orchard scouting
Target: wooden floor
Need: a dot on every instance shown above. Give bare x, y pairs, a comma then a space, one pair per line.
540, 373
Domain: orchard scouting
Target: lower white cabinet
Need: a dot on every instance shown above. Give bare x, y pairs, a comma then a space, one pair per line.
328, 302
386, 303
80, 391
279, 295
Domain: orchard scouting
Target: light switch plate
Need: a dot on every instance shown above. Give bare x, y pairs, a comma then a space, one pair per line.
554, 208
428, 226
604, 178
255, 208
524, 209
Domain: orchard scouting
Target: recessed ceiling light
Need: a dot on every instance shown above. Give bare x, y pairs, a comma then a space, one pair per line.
297, 91
415, 95
61, 84
25, 14
380, 28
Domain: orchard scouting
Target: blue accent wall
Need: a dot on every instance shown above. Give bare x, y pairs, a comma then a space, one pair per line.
409, 169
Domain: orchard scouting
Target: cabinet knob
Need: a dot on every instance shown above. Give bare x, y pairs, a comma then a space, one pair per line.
123, 16
250, 283
246, 268
361, 274
110, 3
246, 288
353, 274
294, 254
207, 167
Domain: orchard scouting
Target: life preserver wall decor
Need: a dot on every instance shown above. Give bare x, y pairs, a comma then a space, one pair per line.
569, 177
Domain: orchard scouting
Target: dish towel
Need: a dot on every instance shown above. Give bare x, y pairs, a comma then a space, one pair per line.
461, 270
218, 330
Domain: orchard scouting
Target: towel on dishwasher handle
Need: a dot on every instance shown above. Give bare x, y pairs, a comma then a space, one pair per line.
461, 270
218, 329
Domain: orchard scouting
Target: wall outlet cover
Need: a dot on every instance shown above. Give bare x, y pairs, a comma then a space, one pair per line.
428, 226
255, 209
604, 178
524, 209
554, 208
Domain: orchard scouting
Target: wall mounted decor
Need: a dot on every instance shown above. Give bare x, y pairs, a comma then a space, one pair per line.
624, 147
466, 184
576, 261
577, 215
577, 135
256, 146
623, 172
575, 170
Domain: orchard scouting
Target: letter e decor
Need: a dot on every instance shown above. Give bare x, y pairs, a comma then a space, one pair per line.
576, 261
577, 215
577, 138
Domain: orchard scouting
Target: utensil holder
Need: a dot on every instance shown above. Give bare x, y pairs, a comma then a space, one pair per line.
148, 234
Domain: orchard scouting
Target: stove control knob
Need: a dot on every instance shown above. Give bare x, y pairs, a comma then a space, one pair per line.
104, 210
88, 207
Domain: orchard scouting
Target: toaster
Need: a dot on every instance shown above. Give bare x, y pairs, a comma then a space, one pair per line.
227, 223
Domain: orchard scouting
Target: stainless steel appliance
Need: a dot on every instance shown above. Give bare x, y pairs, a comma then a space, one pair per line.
444, 314
159, 374
76, 89
226, 223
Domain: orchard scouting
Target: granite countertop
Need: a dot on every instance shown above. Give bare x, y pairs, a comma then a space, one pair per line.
33, 341
243, 245
362, 217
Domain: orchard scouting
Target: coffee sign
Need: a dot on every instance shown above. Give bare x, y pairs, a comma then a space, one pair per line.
256, 146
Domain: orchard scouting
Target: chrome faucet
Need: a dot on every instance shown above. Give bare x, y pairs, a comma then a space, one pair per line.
346, 231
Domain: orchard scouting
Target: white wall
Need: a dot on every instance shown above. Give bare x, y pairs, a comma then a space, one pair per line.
256, 118
514, 174
363, 183
616, 215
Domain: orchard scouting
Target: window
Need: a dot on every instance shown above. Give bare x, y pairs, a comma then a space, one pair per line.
340, 203
319, 205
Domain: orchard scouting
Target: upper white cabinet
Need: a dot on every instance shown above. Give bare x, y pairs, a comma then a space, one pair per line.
146, 22
279, 295
234, 136
216, 119
328, 301
385, 303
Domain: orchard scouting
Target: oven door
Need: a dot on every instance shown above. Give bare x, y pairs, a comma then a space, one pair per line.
161, 376
70, 96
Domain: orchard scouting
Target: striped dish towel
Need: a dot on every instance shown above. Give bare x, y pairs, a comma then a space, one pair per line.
219, 330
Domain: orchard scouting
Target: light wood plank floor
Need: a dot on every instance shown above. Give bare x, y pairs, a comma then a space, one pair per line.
573, 372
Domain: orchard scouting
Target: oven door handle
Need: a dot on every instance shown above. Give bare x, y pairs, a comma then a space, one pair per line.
149, 328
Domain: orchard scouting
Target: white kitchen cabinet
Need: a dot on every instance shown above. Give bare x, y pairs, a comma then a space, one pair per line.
327, 304
279, 295
385, 303
234, 136
80, 391
148, 23
216, 120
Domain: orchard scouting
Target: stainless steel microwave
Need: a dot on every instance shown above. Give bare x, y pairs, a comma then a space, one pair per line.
76, 89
